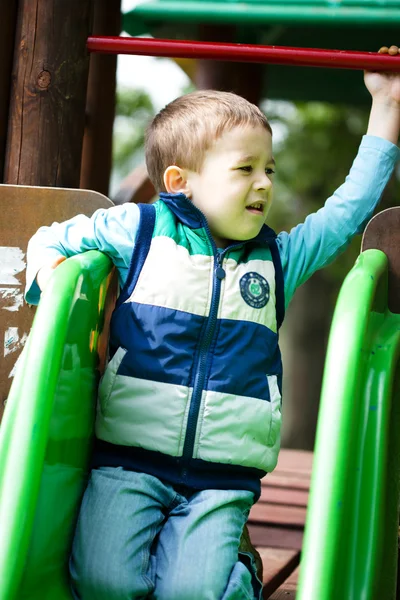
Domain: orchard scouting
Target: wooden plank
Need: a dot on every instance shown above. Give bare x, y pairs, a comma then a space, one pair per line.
283, 595
27, 208
288, 496
287, 479
287, 591
278, 565
295, 460
383, 233
266, 512
275, 536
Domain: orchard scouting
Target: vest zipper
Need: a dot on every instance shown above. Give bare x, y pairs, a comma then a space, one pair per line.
201, 363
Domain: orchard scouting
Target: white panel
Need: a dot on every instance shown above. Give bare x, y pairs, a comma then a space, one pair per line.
172, 278
148, 414
236, 429
234, 306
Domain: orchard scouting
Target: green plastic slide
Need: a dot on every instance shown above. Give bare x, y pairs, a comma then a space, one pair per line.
45, 440
47, 431
350, 544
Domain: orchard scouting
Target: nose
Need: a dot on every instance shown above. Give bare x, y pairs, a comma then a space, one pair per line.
263, 182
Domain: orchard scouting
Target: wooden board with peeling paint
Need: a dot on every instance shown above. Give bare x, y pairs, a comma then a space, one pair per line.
23, 210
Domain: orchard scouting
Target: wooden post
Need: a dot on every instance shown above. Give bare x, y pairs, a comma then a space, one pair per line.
100, 105
48, 95
8, 12
244, 79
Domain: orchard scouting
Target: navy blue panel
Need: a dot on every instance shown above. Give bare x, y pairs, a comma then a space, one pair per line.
266, 235
184, 210
195, 473
238, 364
163, 342
140, 251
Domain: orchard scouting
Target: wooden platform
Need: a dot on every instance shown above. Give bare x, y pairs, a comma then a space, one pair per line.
276, 523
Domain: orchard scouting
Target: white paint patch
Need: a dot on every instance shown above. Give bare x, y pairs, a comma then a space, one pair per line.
12, 341
15, 367
13, 297
11, 263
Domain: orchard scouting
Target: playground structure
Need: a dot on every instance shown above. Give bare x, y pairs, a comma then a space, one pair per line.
352, 525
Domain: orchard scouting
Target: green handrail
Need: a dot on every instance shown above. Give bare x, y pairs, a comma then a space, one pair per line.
46, 433
350, 543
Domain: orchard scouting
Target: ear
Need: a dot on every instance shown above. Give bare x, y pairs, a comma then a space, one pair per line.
176, 181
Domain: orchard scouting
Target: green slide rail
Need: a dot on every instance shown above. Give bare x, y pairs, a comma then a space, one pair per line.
350, 544
47, 431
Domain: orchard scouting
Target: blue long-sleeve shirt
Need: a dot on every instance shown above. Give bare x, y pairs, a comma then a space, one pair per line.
305, 249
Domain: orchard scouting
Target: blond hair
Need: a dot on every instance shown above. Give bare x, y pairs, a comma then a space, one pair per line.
182, 132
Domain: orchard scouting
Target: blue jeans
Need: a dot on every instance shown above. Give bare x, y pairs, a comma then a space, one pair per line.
139, 537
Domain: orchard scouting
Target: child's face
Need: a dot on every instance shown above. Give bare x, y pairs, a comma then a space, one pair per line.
234, 186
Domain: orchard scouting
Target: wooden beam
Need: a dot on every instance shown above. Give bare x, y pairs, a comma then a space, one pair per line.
48, 95
100, 103
8, 21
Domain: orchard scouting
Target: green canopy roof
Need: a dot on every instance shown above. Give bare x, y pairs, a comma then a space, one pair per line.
346, 24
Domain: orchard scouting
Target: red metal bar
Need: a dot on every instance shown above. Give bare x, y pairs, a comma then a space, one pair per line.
279, 55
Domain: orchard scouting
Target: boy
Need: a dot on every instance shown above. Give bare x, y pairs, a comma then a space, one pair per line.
189, 406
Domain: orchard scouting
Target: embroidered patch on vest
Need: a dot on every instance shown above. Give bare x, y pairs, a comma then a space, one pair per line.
254, 289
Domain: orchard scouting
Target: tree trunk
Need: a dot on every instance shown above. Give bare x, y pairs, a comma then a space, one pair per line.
100, 104
48, 95
8, 22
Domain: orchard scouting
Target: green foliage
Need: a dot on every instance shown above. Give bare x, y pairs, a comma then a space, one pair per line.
134, 110
318, 143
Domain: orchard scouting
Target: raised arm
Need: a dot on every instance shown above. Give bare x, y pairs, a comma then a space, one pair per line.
324, 234
384, 120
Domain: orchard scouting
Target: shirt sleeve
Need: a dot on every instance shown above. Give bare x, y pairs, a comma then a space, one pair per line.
112, 231
324, 234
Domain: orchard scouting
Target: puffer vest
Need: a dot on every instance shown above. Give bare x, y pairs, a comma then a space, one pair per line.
192, 391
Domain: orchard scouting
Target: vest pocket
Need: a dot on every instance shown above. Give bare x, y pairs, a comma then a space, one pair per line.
107, 382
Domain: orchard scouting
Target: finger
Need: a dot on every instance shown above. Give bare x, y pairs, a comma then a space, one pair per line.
393, 50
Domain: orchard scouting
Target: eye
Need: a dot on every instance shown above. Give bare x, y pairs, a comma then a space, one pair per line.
246, 169
269, 171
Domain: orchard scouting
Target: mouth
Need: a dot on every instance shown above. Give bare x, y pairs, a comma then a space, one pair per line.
256, 208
